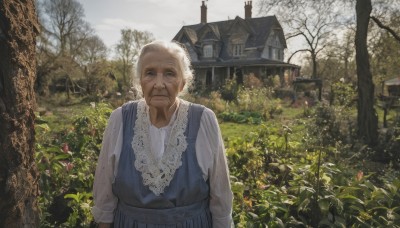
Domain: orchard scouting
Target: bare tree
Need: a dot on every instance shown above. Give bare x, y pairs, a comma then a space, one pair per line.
65, 24
67, 45
92, 50
367, 120
18, 174
312, 21
338, 60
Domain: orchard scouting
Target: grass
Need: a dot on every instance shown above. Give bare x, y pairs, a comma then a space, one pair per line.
58, 112
234, 130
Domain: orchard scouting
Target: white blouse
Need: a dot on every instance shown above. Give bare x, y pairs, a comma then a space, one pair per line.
210, 153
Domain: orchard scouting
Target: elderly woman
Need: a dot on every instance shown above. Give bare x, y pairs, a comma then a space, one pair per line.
162, 163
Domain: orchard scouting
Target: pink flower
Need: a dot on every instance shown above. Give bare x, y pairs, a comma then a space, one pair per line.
69, 166
65, 148
359, 176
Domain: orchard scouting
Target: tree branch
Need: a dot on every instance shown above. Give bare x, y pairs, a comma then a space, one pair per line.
387, 28
301, 50
293, 35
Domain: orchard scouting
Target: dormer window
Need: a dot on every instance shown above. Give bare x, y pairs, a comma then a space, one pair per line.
277, 42
237, 49
208, 51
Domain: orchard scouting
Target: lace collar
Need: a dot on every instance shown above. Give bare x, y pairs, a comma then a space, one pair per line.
158, 173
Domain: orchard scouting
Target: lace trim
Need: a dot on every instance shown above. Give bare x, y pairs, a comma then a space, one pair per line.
158, 173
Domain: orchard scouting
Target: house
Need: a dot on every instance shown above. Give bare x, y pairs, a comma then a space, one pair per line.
391, 87
236, 48
389, 98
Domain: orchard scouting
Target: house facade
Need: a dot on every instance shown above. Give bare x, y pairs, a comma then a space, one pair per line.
236, 48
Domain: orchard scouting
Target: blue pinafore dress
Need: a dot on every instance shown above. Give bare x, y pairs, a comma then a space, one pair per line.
184, 202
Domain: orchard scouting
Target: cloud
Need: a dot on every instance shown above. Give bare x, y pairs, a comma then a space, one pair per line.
112, 24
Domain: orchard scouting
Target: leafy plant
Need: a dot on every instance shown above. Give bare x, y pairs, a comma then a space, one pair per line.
281, 183
66, 174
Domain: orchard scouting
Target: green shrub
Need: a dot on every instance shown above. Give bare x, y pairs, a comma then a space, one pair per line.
66, 161
342, 94
280, 183
331, 125
229, 89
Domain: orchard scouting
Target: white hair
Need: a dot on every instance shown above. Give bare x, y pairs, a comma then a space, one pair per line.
177, 50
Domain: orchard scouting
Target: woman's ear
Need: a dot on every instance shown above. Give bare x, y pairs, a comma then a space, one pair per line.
182, 85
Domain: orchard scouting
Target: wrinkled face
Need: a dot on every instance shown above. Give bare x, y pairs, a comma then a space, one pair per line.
161, 78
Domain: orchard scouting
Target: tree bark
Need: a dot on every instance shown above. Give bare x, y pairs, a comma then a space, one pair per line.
314, 63
367, 119
18, 174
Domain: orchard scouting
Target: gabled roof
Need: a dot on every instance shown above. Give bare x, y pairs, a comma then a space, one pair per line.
241, 22
393, 81
212, 34
258, 28
241, 62
190, 34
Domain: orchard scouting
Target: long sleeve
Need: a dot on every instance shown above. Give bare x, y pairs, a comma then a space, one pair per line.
210, 153
104, 200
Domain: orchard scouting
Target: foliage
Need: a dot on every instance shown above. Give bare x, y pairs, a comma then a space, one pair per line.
331, 125
389, 144
252, 105
279, 183
342, 94
66, 175
229, 89
254, 99
234, 130
242, 117
281, 175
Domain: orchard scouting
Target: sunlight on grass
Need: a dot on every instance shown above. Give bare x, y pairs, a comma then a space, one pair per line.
233, 130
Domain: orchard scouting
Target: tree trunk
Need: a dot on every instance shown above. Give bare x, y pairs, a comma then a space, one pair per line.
367, 120
18, 174
314, 62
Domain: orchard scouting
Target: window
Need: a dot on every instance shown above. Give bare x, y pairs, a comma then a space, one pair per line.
277, 42
275, 53
237, 49
208, 51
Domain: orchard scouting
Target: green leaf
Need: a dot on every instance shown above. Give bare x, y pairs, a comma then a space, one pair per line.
253, 216
85, 206
43, 126
351, 198
304, 204
61, 157
324, 205
72, 196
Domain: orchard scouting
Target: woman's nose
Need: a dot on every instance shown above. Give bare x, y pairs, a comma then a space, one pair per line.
159, 84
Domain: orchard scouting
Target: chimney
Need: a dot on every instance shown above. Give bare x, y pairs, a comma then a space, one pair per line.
203, 13
247, 9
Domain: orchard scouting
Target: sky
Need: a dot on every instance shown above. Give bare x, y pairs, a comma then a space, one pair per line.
163, 18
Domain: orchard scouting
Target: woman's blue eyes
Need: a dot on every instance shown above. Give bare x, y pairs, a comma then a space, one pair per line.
153, 73
170, 73
149, 73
